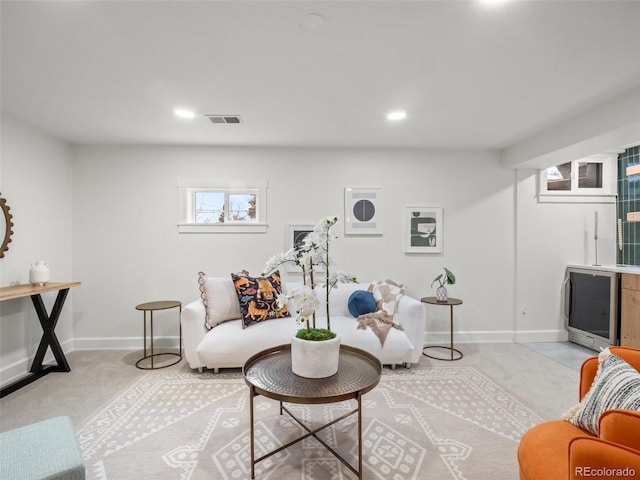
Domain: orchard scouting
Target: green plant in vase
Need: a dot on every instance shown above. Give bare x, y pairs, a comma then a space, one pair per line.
446, 278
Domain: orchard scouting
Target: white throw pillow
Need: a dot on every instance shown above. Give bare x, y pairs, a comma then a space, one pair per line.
616, 385
219, 298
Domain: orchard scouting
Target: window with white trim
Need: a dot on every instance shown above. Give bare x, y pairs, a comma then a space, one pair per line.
222, 207
590, 179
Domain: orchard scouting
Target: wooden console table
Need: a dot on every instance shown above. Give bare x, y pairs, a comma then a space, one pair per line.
48, 322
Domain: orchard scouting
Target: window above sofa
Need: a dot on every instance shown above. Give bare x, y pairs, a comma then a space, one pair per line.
215, 206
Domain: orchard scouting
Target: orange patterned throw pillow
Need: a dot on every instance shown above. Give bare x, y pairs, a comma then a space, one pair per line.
258, 297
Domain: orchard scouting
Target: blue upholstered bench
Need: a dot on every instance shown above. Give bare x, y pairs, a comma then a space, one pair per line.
43, 450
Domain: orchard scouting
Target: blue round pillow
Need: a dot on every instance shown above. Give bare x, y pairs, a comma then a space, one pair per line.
361, 302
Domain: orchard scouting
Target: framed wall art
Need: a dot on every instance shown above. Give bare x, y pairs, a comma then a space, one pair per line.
423, 230
295, 236
363, 211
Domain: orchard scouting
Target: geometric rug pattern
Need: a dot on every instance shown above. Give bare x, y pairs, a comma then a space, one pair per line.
426, 423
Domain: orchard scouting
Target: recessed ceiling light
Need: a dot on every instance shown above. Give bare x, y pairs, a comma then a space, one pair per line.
397, 115
182, 113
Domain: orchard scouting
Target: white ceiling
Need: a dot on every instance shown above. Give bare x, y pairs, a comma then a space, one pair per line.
469, 75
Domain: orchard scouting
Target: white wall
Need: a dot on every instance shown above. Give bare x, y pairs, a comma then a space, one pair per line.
549, 237
113, 211
127, 249
36, 180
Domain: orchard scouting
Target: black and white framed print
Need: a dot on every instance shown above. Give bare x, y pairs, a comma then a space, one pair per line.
295, 236
363, 211
423, 230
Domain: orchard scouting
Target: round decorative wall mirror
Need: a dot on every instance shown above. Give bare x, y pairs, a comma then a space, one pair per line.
5, 227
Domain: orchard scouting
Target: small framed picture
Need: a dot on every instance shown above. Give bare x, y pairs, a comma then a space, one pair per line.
363, 211
423, 230
295, 236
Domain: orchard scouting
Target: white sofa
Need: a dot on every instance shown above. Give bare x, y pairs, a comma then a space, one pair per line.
228, 345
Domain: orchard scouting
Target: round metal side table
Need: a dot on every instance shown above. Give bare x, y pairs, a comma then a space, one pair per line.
268, 373
151, 307
451, 302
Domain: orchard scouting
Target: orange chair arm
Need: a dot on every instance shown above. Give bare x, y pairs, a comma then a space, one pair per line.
598, 459
622, 427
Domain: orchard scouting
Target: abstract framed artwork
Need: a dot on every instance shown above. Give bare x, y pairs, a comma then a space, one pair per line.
295, 236
423, 229
363, 211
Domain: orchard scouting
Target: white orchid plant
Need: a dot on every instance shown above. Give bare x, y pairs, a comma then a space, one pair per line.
311, 252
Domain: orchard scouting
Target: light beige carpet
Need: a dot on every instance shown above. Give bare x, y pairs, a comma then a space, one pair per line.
441, 420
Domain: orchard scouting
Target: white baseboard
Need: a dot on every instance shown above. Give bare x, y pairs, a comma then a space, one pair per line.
499, 336
122, 343
20, 368
531, 336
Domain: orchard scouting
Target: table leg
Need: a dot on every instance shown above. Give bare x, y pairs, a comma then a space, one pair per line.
49, 339
151, 339
180, 331
252, 395
359, 436
451, 329
144, 335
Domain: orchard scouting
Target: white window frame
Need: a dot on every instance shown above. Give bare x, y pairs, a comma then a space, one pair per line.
606, 194
186, 206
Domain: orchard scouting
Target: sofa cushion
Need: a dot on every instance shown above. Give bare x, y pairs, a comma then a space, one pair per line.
228, 345
617, 385
361, 302
387, 295
219, 298
258, 297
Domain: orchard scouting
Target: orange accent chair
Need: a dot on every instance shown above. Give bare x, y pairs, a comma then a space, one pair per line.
558, 450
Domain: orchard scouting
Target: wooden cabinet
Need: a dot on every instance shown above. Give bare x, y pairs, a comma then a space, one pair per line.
630, 311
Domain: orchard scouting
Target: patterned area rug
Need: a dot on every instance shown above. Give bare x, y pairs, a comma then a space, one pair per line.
441, 422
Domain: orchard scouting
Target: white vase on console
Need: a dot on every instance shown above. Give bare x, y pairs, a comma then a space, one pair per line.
39, 273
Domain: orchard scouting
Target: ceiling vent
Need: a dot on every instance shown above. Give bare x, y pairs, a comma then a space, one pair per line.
229, 119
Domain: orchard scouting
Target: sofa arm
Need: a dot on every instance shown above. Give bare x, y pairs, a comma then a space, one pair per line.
621, 427
597, 458
412, 315
193, 331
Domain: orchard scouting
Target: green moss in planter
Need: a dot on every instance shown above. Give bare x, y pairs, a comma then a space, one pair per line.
315, 334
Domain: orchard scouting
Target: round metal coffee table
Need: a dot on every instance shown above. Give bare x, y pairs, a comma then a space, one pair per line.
269, 374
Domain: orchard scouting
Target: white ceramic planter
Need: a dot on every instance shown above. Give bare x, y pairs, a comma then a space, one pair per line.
311, 359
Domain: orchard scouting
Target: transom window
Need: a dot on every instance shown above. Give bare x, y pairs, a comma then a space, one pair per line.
214, 206
590, 179
230, 207
562, 177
